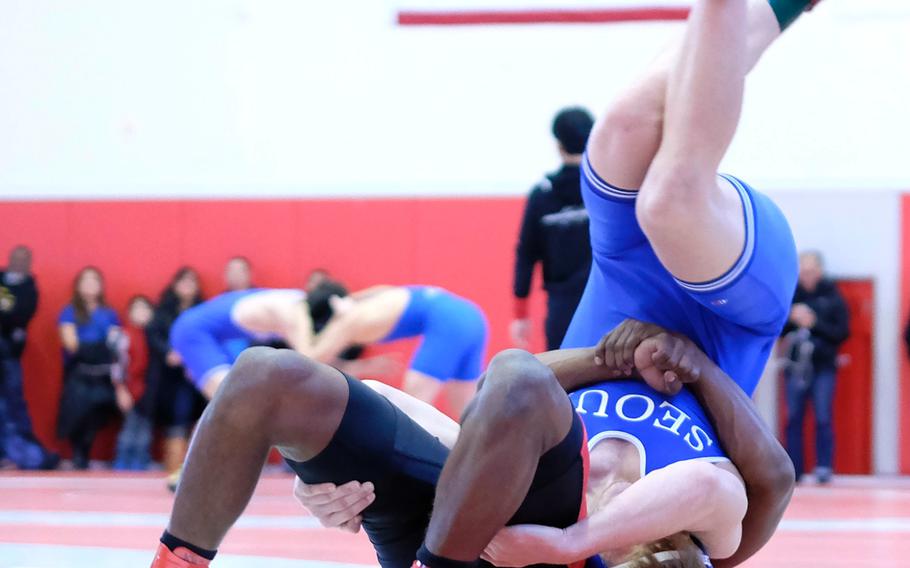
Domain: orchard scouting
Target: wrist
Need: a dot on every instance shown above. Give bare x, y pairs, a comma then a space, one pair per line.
573, 546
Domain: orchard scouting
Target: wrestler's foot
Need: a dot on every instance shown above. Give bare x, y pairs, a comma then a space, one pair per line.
787, 11
178, 558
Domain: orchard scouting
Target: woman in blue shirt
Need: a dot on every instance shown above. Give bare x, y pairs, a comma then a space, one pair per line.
88, 329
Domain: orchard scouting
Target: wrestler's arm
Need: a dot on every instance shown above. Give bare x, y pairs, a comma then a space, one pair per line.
575, 368
325, 346
764, 465
367, 292
691, 496
762, 461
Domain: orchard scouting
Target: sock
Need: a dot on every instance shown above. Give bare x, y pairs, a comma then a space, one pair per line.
430, 560
173, 543
787, 11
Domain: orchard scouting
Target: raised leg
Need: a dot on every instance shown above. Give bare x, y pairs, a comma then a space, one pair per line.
421, 386
626, 138
459, 394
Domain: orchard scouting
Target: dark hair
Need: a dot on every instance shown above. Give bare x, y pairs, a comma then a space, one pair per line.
318, 302
169, 300
79, 307
571, 127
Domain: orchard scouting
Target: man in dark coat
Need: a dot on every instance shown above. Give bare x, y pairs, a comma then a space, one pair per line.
18, 303
819, 323
554, 232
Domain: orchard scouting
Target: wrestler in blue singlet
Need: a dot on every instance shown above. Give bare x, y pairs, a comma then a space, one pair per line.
202, 334
734, 319
665, 429
454, 332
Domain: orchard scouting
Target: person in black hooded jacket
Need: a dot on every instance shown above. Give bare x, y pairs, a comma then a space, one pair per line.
819, 322
554, 232
174, 404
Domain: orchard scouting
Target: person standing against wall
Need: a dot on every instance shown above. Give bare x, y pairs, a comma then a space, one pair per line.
89, 329
18, 303
238, 274
818, 324
554, 232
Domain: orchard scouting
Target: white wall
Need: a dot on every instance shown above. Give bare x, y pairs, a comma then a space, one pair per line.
108, 98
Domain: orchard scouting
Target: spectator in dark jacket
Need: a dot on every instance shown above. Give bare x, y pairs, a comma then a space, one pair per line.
89, 331
18, 302
819, 323
554, 232
175, 403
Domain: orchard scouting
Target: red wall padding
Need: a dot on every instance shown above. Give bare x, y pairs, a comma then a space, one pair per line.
465, 245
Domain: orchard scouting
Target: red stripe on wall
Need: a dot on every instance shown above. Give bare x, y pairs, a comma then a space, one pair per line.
904, 363
556, 16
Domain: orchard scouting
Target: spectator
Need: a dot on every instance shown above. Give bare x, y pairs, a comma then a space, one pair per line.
89, 330
554, 232
176, 404
18, 302
818, 324
130, 373
238, 274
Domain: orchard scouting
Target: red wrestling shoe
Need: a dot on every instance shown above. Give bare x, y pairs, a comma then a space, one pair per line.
180, 558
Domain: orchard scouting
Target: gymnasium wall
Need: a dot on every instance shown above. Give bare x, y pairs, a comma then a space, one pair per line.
284, 98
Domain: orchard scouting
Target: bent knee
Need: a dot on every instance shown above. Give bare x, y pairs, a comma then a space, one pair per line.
526, 384
674, 191
264, 373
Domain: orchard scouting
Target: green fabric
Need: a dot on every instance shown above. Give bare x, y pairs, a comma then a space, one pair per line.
787, 11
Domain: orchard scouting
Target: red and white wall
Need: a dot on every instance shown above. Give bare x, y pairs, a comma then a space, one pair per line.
140, 138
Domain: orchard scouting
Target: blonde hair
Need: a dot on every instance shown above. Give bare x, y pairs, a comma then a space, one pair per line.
685, 554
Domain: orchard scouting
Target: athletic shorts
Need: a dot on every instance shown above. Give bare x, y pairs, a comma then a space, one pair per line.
201, 352
454, 334
377, 442
735, 318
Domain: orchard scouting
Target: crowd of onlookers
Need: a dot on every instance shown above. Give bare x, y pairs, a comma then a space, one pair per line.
111, 366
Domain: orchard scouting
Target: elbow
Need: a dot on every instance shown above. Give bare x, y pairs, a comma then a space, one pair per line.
779, 480
784, 479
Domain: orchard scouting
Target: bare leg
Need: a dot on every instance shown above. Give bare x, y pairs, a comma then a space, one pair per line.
421, 386
692, 218
213, 382
459, 394
626, 138
519, 414
272, 398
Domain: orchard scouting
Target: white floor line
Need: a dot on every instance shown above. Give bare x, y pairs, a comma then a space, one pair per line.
871, 525
54, 556
108, 519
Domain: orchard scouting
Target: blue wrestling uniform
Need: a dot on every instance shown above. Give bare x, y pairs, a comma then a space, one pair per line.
454, 334
202, 335
734, 318
665, 429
